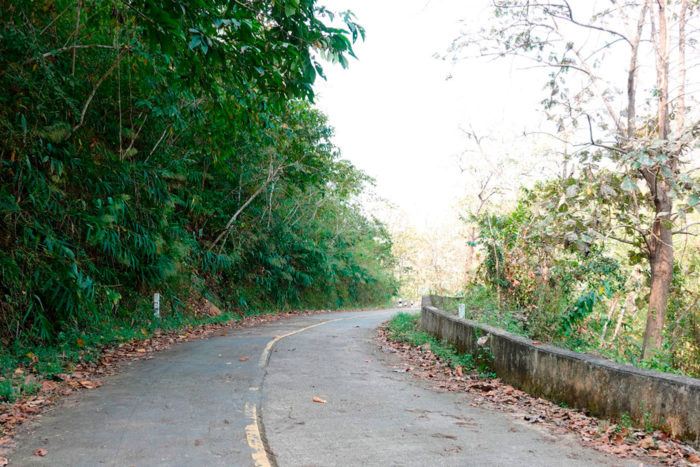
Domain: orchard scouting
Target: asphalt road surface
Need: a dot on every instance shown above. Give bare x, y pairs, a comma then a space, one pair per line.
199, 404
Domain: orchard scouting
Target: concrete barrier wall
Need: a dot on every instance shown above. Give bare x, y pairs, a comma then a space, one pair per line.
603, 387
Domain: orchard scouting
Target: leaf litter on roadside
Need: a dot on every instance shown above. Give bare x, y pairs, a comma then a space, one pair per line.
86, 375
602, 435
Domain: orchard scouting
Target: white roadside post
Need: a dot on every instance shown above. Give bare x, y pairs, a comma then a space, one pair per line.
461, 310
156, 305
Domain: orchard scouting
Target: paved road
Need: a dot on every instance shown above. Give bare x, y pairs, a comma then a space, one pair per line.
199, 404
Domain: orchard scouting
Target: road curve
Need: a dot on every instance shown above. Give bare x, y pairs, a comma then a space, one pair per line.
247, 399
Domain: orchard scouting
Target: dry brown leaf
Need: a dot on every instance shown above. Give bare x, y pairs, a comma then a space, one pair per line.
646, 443
656, 453
319, 400
41, 452
459, 371
48, 386
89, 384
3, 461
141, 350
694, 459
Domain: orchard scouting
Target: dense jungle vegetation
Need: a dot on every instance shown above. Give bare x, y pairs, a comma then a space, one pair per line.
171, 146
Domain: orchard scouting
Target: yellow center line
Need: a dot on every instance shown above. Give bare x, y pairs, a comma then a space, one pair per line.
266, 352
252, 430
252, 435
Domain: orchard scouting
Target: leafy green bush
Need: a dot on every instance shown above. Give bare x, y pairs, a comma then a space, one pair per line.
548, 275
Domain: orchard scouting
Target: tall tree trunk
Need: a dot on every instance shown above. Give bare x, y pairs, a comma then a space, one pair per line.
661, 242
661, 262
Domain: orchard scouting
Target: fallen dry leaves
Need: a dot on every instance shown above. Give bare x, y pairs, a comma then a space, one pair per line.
319, 400
41, 452
86, 376
602, 435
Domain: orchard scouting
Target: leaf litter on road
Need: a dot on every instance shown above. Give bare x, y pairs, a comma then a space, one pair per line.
603, 435
87, 375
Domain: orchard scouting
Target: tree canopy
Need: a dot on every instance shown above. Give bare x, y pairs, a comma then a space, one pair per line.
170, 146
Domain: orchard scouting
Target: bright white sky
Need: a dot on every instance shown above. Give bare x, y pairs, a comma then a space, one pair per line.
398, 117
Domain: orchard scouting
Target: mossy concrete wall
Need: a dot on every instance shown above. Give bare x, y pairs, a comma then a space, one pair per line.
603, 387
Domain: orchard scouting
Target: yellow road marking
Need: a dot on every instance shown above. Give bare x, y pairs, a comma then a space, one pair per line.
252, 431
268, 347
252, 435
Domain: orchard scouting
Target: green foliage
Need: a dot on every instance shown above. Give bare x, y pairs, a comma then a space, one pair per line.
549, 277
481, 305
73, 346
632, 173
405, 327
541, 273
13, 388
171, 147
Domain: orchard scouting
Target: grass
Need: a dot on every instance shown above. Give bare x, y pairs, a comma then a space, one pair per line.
50, 359
405, 327
15, 387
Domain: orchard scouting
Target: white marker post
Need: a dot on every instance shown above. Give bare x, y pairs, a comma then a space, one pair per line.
461, 310
156, 305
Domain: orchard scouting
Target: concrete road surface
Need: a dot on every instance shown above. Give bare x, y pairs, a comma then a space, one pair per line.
199, 404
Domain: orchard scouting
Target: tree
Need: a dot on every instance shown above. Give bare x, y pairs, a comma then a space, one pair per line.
171, 146
595, 106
